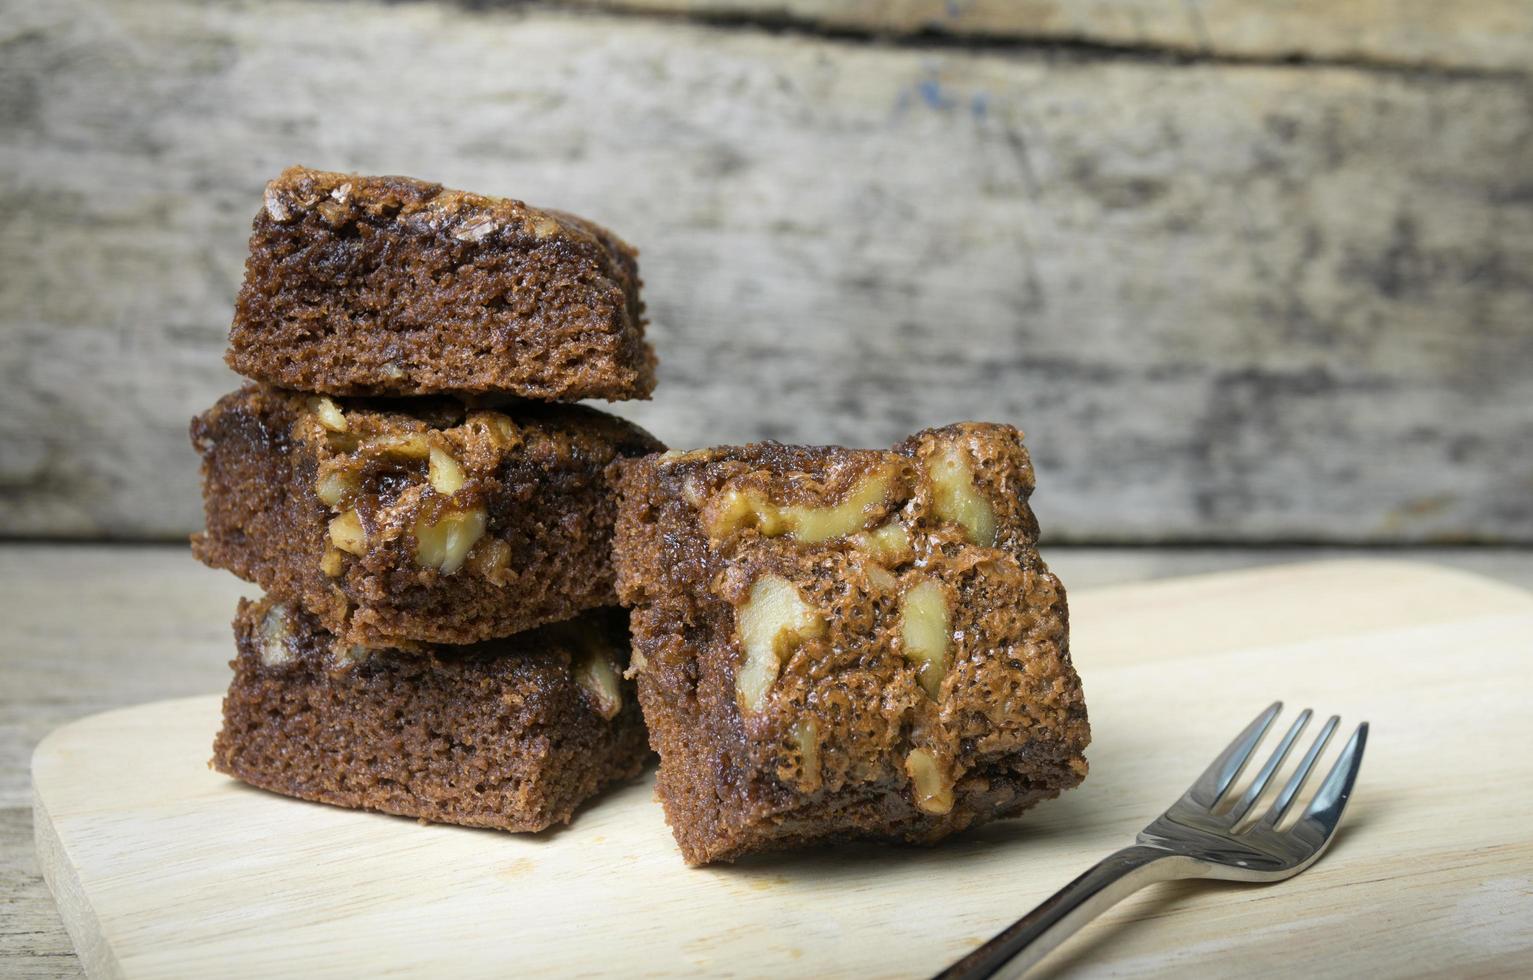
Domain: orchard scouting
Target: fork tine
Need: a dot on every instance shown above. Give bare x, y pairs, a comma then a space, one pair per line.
1264, 774
1325, 809
1301, 774
1216, 779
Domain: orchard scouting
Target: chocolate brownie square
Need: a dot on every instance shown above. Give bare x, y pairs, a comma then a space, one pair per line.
513, 734
833, 644
417, 520
391, 286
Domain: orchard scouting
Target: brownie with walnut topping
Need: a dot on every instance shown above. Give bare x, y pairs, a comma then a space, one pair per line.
512, 734
833, 644
361, 285
417, 520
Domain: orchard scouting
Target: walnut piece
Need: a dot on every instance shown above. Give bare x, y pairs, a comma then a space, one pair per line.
773, 618
347, 655
443, 542
736, 509
926, 633
956, 498
347, 533
933, 790
409, 445
329, 415
444, 473
502, 431
331, 562
336, 485
889, 544
806, 735
492, 561
274, 634
880, 577
598, 675
542, 226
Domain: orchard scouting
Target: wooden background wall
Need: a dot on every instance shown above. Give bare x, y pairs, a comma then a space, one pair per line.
1244, 271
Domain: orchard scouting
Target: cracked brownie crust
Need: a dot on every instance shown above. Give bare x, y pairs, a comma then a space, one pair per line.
392, 286
834, 644
513, 734
421, 521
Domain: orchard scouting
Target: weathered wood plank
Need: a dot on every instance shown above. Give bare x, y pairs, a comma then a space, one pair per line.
1228, 301
1486, 35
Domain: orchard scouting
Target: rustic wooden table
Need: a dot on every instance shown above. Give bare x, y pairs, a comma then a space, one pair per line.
92, 627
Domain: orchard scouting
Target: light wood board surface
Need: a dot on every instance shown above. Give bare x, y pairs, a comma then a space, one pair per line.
163, 868
78, 618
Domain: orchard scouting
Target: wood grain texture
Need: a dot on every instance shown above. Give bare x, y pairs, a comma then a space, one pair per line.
72, 612
153, 856
1477, 34
1228, 302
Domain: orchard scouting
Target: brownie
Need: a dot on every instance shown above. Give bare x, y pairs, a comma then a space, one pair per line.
413, 521
392, 286
834, 644
514, 733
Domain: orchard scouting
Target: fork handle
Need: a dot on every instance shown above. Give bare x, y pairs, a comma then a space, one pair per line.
1019, 946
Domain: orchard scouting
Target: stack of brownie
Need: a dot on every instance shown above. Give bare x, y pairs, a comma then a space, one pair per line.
827, 643
431, 523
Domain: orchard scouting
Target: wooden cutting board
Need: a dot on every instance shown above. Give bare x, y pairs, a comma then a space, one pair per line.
163, 868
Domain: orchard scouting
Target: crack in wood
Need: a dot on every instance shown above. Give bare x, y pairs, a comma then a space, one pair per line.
1062, 46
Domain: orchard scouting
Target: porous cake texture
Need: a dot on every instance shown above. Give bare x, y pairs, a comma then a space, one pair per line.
513, 734
414, 521
360, 285
833, 644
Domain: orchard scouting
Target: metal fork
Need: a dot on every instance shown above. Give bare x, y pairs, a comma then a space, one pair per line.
1201, 836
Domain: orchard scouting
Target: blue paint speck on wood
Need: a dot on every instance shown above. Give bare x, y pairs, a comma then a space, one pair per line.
932, 94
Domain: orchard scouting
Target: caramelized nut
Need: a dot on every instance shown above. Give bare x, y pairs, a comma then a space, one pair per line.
880, 578
492, 561
328, 414
933, 791
692, 490
925, 630
889, 544
349, 654
410, 445
736, 509
598, 675
807, 734
274, 633
332, 213
956, 498
543, 226
502, 430
276, 206
443, 542
475, 229
347, 533
331, 563
336, 486
444, 473
772, 619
